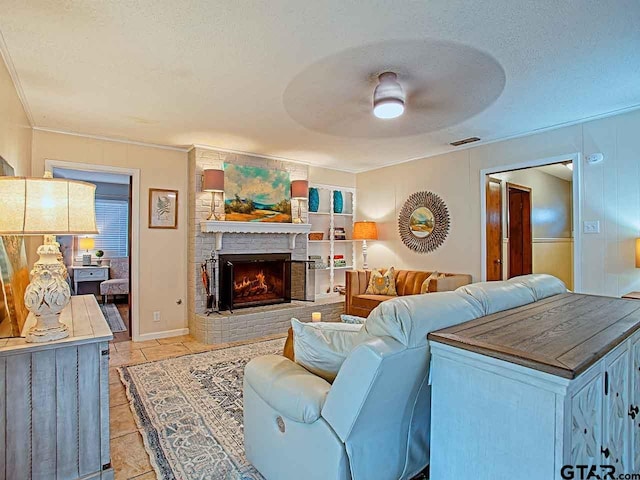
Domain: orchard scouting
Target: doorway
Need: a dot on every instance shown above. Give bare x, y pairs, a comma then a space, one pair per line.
121, 251
530, 213
519, 224
100, 264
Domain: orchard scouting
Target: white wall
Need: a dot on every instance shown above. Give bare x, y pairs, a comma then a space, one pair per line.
15, 131
163, 253
329, 176
610, 194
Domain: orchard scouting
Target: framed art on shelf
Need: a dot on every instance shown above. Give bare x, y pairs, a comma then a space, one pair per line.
163, 208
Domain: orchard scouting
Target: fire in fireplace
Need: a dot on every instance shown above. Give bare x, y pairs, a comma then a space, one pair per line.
251, 280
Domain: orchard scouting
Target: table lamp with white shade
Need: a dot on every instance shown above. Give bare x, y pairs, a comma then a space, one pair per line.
47, 206
365, 231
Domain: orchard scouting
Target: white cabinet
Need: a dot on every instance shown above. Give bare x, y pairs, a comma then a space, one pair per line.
634, 413
586, 422
615, 444
56, 399
537, 421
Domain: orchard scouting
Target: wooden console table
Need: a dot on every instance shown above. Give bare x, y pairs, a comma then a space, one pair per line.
522, 393
56, 399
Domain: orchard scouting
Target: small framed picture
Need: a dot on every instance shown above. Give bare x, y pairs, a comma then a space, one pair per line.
163, 208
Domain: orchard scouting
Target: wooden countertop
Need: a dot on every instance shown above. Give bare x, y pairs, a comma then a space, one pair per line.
82, 316
562, 335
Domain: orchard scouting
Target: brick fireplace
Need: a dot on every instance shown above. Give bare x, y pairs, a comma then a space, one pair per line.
219, 240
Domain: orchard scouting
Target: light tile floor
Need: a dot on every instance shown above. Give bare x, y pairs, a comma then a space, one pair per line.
128, 456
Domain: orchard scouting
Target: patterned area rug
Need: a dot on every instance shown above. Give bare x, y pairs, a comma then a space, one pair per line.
113, 317
189, 411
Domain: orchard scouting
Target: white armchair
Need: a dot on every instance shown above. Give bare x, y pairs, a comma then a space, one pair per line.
373, 422
297, 422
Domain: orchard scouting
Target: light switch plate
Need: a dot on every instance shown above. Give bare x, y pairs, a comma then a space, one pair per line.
156, 316
591, 226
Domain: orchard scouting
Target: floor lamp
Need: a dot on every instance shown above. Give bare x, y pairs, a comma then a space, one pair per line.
365, 231
47, 206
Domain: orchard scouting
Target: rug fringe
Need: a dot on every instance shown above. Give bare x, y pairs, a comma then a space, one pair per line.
138, 420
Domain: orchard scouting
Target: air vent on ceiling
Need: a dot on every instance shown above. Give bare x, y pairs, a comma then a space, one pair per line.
464, 141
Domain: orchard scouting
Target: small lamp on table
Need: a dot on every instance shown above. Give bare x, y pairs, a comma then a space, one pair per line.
365, 231
86, 244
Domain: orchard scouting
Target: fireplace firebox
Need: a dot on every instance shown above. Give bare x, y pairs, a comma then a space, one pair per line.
252, 280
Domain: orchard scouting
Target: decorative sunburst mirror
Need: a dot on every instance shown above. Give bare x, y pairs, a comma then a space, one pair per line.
423, 222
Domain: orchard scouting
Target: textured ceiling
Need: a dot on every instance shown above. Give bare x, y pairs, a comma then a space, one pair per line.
239, 74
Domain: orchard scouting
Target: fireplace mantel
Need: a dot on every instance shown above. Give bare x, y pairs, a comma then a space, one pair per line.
219, 228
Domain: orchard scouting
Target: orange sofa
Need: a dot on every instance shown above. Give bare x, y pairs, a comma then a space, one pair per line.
408, 282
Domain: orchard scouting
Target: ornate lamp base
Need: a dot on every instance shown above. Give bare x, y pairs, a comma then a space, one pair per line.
46, 296
47, 330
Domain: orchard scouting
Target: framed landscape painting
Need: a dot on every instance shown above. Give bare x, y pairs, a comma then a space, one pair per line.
255, 194
163, 208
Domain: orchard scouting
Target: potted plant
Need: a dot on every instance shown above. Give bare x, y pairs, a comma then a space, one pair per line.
99, 255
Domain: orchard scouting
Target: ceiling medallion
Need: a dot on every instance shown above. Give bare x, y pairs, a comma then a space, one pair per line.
388, 97
423, 222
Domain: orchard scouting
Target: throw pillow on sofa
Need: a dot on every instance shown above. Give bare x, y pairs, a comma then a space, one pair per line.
322, 347
424, 288
382, 284
354, 319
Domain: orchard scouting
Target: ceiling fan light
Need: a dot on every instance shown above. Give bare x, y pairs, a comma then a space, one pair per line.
391, 108
388, 97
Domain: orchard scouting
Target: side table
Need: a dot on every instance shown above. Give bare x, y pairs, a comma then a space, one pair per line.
93, 273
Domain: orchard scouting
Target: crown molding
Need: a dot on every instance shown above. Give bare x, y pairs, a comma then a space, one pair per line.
111, 139
4, 52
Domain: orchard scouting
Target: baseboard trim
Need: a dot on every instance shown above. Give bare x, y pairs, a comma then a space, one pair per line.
164, 334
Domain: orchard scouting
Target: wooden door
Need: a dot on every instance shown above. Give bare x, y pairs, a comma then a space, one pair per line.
616, 405
520, 237
494, 228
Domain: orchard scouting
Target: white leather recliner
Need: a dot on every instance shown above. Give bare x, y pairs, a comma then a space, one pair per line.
373, 422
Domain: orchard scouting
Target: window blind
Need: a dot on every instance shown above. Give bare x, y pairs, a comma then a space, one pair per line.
112, 219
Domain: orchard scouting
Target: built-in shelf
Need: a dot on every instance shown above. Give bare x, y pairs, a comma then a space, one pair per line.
326, 220
329, 213
347, 267
329, 241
